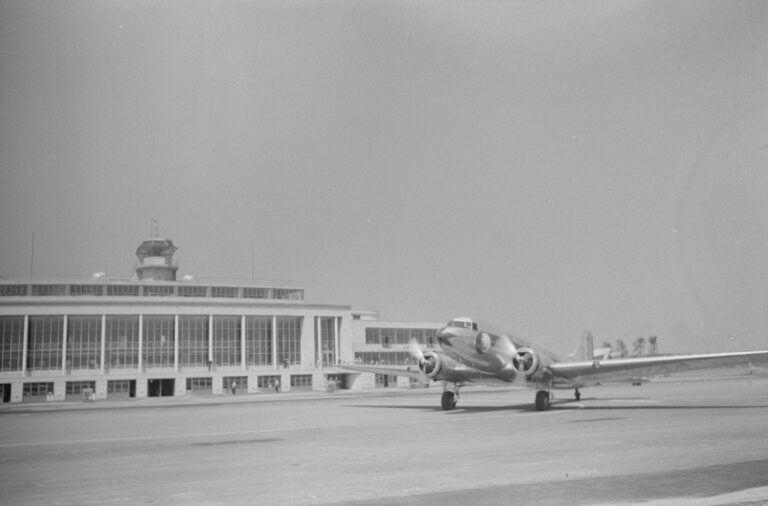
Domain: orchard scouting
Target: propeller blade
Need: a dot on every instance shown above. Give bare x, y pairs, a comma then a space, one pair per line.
415, 349
504, 345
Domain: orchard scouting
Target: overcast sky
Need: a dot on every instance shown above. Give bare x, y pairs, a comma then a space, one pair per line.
550, 166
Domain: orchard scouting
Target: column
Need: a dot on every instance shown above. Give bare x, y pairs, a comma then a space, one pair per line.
210, 339
64, 346
176, 343
318, 340
141, 343
274, 342
242, 343
336, 327
103, 341
25, 346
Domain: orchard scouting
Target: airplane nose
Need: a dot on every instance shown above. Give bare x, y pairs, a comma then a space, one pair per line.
444, 334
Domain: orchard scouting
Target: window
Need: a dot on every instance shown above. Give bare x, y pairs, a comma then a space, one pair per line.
288, 294
119, 387
84, 342
86, 290
384, 358
258, 340
289, 340
372, 336
77, 387
268, 383
193, 340
123, 290
301, 382
385, 381
11, 342
255, 293
46, 339
241, 382
48, 290
37, 389
226, 340
13, 290
192, 291
122, 342
199, 385
223, 291
158, 341
158, 290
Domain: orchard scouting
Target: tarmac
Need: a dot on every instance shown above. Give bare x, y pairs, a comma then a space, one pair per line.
702, 442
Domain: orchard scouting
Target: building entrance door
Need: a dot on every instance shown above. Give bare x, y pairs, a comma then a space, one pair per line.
161, 387
5, 389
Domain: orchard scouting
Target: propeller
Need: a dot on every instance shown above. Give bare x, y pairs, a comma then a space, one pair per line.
504, 345
426, 364
415, 349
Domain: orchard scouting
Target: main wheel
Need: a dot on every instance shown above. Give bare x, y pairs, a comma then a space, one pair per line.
542, 400
448, 401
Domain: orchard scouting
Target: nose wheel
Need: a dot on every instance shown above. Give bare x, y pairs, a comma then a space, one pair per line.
448, 402
543, 400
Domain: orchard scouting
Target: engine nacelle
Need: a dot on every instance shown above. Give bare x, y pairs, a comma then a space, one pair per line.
437, 367
527, 362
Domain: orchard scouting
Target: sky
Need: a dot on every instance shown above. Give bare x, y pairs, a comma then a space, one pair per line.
549, 166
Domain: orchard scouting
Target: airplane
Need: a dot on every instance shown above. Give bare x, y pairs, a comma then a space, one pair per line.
586, 347
475, 352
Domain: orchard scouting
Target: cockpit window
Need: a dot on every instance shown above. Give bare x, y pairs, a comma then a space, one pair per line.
464, 323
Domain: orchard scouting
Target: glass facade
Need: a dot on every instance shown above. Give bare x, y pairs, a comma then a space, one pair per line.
11, 342
83, 342
158, 332
258, 340
388, 336
193, 341
122, 342
325, 353
226, 340
289, 340
45, 343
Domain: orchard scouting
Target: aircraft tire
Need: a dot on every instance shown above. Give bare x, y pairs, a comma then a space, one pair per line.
542, 400
448, 401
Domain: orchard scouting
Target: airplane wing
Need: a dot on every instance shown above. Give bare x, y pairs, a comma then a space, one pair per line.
389, 371
628, 368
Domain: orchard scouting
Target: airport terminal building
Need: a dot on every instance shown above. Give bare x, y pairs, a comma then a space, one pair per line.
153, 335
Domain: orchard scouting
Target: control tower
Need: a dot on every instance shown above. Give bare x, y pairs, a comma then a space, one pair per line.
156, 260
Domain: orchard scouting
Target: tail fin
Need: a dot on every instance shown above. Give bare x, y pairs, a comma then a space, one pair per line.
585, 347
589, 352
622, 348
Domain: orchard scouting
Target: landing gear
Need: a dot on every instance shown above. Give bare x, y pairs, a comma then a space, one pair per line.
577, 394
543, 400
449, 400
